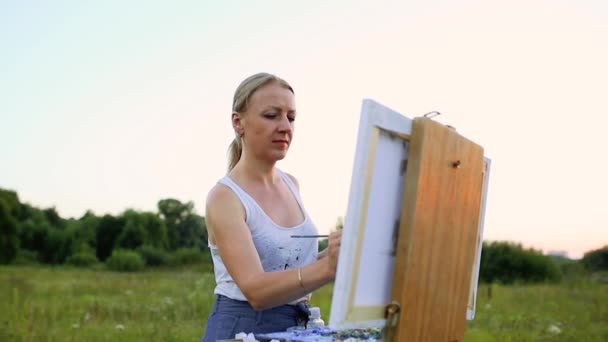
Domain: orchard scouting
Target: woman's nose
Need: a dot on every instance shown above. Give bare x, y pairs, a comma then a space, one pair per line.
285, 125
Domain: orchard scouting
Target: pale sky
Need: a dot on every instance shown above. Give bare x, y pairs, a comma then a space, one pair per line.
109, 105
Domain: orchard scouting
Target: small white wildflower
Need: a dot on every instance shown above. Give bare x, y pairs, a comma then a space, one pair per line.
488, 306
168, 301
87, 316
75, 326
554, 329
120, 327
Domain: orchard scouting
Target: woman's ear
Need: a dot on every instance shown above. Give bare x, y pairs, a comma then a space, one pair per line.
237, 124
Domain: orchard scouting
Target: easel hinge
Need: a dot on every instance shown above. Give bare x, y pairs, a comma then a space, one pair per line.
391, 313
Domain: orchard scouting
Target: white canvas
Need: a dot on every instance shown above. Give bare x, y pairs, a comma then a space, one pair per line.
380, 210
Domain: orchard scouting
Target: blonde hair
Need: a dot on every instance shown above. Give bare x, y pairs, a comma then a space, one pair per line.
240, 103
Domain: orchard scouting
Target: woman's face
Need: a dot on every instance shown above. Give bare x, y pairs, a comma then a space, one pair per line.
268, 123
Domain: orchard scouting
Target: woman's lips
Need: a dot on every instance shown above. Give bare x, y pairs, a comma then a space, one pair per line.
281, 142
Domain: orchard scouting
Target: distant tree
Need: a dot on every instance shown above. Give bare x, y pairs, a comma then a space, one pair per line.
107, 233
173, 212
53, 217
133, 233
34, 228
184, 227
33, 233
79, 237
57, 247
42, 231
87, 228
156, 230
132, 236
29, 212
596, 260
9, 241
11, 200
192, 232
142, 228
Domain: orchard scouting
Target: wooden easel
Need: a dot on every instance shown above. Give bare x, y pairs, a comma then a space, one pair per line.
438, 235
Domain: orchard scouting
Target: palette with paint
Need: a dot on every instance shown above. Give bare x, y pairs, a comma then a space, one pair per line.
323, 335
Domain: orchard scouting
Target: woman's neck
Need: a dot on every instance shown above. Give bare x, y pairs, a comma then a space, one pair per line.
255, 171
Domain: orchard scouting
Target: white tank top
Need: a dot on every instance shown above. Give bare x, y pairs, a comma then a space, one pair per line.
276, 248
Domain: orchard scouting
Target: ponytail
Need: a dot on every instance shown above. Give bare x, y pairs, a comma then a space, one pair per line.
234, 152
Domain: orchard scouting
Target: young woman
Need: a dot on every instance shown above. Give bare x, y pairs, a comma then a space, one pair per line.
263, 275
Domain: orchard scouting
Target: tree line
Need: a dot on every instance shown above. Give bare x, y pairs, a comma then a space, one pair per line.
508, 262
175, 234
30, 234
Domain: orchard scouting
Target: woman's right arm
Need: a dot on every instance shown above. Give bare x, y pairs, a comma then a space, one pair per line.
225, 217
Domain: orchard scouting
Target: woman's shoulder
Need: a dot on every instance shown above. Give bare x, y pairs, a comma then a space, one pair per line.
293, 179
223, 209
221, 196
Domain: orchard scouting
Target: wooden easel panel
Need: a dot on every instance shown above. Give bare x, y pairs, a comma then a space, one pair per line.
439, 229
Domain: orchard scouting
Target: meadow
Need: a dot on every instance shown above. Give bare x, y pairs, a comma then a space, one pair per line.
42, 303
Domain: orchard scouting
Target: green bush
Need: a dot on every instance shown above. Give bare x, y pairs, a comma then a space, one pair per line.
571, 268
187, 256
125, 261
26, 257
82, 259
153, 256
596, 260
508, 263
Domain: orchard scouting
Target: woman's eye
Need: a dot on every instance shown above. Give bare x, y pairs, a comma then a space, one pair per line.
291, 119
270, 115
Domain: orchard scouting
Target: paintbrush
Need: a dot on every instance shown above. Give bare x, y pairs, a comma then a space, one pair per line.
309, 236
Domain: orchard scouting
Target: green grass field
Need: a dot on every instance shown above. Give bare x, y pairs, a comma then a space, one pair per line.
65, 304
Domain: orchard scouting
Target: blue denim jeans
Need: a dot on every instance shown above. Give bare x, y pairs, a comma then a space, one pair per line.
230, 317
